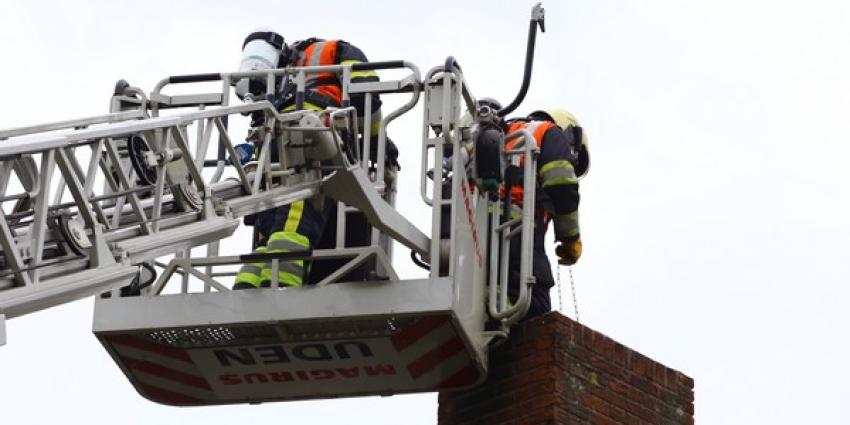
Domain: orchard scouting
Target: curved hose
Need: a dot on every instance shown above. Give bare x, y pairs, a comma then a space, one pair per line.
529, 61
135, 287
418, 261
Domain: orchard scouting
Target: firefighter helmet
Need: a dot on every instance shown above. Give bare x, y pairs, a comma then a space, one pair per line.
493, 104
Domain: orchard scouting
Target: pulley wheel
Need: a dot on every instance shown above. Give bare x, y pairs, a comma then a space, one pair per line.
74, 235
188, 197
137, 148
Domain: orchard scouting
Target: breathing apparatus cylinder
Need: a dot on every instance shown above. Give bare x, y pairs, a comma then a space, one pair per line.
260, 51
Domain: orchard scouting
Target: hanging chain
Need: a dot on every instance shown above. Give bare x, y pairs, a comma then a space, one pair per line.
573, 286
560, 297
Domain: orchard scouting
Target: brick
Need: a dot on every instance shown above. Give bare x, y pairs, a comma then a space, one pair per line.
640, 364
660, 375
685, 380
538, 418
610, 396
619, 356
556, 371
587, 335
599, 419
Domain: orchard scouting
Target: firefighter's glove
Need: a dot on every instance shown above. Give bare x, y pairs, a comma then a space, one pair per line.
256, 135
568, 251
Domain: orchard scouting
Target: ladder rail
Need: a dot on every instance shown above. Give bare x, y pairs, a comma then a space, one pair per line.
125, 223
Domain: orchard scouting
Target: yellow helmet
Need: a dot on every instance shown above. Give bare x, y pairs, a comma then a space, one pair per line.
569, 123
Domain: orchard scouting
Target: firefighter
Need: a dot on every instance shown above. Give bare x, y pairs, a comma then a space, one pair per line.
562, 161
298, 226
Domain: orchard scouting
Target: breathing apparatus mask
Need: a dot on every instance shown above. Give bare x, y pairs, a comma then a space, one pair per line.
262, 50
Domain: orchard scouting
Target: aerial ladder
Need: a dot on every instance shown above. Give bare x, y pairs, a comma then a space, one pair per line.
132, 207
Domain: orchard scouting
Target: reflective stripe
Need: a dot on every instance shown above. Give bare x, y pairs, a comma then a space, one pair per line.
552, 164
250, 273
288, 266
289, 271
304, 56
538, 129
321, 53
314, 53
377, 118
558, 172
307, 106
566, 225
327, 54
249, 278
283, 278
251, 268
561, 180
324, 84
294, 217
358, 74
287, 242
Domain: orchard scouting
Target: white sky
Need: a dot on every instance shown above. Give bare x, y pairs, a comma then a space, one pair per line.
714, 216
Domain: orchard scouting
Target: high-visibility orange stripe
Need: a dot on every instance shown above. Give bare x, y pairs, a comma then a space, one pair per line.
328, 54
331, 90
324, 75
539, 132
308, 53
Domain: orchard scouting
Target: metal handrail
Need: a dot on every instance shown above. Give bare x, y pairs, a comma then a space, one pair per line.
498, 298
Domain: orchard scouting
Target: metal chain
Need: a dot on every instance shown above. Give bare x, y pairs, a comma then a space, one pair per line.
560, 297
573, 286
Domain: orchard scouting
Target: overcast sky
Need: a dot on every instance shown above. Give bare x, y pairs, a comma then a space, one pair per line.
714, 217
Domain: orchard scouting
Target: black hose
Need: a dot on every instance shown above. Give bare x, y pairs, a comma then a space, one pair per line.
451, 64
526, 78
151, 280
418, 261
135, 287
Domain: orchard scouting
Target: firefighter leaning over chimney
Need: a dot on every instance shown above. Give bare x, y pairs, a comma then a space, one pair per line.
562, 161
298, 226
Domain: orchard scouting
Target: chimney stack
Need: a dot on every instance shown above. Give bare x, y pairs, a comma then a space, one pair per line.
554, 370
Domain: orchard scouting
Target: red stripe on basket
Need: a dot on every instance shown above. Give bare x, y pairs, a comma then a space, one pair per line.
410, 335
164, 372
168, 397
466, 376
144, 345
434, 357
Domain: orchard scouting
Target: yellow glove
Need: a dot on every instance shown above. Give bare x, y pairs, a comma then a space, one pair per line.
569, 251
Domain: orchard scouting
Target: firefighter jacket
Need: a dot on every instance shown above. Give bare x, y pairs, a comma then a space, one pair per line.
557, 195
324, 89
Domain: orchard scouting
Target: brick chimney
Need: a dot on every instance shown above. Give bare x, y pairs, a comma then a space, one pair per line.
556, 371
